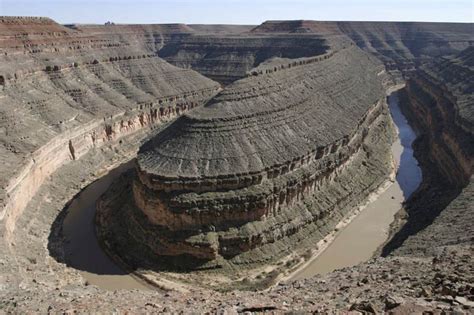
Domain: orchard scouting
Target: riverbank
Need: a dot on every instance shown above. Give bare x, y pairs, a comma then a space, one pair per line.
83, 251
106, 274
358, 237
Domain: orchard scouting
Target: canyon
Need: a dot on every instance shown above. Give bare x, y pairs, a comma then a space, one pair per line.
249, 144
246, 194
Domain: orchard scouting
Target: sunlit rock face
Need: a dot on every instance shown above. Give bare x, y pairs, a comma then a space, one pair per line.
273, 159
399, 45
76, 100
67, 90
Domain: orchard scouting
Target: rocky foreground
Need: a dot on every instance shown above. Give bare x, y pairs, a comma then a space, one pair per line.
440, 284
78, 100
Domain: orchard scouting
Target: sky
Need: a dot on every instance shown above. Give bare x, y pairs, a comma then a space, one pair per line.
239, 11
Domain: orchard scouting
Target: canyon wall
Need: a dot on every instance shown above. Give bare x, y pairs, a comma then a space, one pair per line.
59, 87
81, 86
75, 91
226, 57
399, 45
439, 102
273, 161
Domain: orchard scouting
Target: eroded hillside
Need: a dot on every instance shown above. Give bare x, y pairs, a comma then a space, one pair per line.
264, 169
439, 102
76, 101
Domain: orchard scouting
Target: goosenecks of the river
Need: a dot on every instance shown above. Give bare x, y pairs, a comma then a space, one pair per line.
354, 244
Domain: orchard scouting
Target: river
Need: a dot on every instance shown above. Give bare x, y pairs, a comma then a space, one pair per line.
82, 248
356, 243
359, 240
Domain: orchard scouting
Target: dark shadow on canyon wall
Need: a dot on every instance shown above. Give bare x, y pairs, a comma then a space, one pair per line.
432, 196
426, 203
73, 240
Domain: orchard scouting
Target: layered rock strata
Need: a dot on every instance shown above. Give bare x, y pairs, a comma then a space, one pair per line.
75, 91
439, 102
436, 278
228, 55
227, 58
271, 161
401, 46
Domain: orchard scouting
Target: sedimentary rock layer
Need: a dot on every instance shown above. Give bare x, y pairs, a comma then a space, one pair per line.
439, 101
75, 91
30, 274
256, 165
400, 45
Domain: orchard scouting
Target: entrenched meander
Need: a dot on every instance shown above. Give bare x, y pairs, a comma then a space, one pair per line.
229, 191
356, 243
81, 247
277, 173
364, 232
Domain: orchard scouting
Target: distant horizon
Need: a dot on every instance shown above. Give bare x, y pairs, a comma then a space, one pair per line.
242, 12
257, 24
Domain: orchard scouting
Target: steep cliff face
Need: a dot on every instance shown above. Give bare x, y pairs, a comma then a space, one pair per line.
228, 58
439, 102
70, 95
400, 45
75, 91
267, 165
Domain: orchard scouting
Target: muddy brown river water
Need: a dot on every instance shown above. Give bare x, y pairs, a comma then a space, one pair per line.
355, 243
358, 241
83, 251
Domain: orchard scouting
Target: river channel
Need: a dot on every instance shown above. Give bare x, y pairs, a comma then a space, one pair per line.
355, 243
